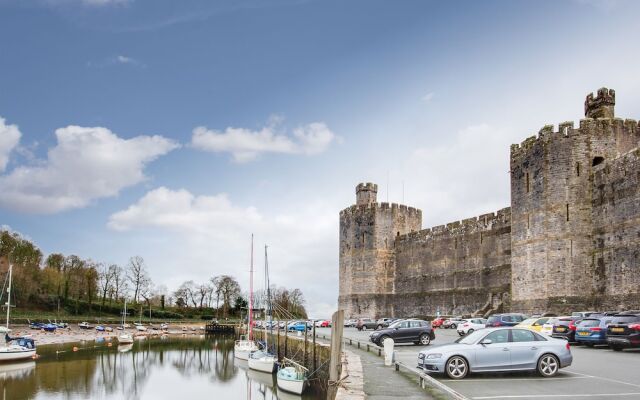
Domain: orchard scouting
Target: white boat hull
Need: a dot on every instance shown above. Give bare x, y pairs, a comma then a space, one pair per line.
16, 354
125, 339
242, 354
292, 386
242, 349
263, 364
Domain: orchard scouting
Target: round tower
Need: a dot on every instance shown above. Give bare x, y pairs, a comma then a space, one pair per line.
368, 230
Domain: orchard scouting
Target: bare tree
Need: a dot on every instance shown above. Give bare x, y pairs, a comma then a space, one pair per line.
106, 276
120, 286
138, 276
229, 289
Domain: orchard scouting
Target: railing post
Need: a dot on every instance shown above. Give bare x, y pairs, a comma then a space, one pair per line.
314, 347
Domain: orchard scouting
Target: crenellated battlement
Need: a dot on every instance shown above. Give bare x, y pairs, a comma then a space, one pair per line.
602, 105
597, 127
482, 223
366, 186
384, 206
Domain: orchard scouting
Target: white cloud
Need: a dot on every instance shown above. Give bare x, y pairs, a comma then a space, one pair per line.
209, 235
86, 164
428, 97
116, 61
9, 139
246, 145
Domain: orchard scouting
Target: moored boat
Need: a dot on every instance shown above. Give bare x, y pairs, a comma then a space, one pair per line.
292, 378
262, 361
16, 348
243, 347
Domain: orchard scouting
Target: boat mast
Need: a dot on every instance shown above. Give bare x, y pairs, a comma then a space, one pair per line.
124, 314
268, 307
251, 293
9, 295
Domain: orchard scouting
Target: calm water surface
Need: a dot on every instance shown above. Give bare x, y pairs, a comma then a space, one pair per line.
173, 368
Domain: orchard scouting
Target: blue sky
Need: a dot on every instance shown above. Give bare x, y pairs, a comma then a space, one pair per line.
185, 126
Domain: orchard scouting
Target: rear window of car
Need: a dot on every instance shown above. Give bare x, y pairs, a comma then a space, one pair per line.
494, 319
625, 320
589, 323
521, 335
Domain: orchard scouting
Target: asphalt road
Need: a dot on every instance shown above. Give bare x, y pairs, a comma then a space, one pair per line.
596, 373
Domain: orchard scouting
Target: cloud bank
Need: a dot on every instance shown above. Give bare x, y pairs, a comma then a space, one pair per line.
86, 164
9, 139
246, 145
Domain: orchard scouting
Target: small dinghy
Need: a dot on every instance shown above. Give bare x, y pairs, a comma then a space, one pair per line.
125, 338
292, 377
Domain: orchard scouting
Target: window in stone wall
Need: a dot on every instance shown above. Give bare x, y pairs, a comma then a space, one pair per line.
578, 168
527, 181
597, 161
567, 211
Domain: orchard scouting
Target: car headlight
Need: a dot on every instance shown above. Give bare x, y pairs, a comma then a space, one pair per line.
434, 355
420, 356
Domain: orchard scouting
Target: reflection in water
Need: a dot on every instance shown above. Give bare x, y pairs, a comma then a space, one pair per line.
153, 369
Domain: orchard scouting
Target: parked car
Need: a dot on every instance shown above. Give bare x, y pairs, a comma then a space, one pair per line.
299, 326
452, 322
624, 331
366, 323
405, 331
350, 323
583, 314
561, 328
533, 323
505, 320
498, 350
384, 322
85, 325
470, 325
592, 331
437, 323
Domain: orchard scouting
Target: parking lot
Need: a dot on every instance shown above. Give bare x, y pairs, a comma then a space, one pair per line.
596, 373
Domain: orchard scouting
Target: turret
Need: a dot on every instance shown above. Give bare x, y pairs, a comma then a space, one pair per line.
602, 106
366, 193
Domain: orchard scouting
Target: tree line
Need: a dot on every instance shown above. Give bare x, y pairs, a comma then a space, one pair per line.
78, 286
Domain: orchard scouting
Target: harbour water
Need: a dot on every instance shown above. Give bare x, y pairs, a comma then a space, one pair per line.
169, 368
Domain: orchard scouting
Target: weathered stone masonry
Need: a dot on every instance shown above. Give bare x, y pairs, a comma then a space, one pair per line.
571, 238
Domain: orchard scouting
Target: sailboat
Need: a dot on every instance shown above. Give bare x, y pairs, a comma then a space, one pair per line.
262, 360
246, 345
292, 377
124, 337
17, 348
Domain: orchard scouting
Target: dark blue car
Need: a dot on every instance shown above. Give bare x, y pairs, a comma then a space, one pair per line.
592, 331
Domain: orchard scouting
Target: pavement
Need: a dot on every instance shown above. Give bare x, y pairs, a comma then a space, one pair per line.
596, 373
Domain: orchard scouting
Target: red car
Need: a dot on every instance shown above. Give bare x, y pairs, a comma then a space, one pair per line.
325, 324
437, 323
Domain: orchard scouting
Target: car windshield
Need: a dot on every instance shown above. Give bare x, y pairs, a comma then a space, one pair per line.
395, 324
586, 323
626, 319
471, 338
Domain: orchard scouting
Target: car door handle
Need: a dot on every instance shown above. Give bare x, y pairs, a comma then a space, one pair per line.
534, 348
505, 349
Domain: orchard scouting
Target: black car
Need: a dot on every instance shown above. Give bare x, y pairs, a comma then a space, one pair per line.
564, 327
407, 331
505, 320
624, 331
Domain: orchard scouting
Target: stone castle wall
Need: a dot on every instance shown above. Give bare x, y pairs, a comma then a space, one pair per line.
454, 269
570, 240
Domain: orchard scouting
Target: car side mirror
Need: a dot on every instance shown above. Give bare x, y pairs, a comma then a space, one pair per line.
486, 341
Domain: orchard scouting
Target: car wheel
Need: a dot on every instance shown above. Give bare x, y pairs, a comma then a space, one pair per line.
425, 339
470, 331
457, 367
453, 326
381, 340
378, 327
548, 365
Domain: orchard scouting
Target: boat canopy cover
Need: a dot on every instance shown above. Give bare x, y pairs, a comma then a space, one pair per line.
21, 341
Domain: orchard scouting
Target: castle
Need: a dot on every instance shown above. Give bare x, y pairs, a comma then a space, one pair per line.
569, 241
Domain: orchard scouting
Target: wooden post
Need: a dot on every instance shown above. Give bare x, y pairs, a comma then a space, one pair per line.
286, 337
314, 347
335, 363
278, 342
304, 350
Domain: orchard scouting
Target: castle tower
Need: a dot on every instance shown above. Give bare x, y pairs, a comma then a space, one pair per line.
368, 231
552, 233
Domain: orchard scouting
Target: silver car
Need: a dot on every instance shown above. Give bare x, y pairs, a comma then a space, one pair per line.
497, 350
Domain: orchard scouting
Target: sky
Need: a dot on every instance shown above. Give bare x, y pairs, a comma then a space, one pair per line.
175, 130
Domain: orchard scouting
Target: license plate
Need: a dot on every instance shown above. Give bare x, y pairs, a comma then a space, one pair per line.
617, 329
584, 333
560, 329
